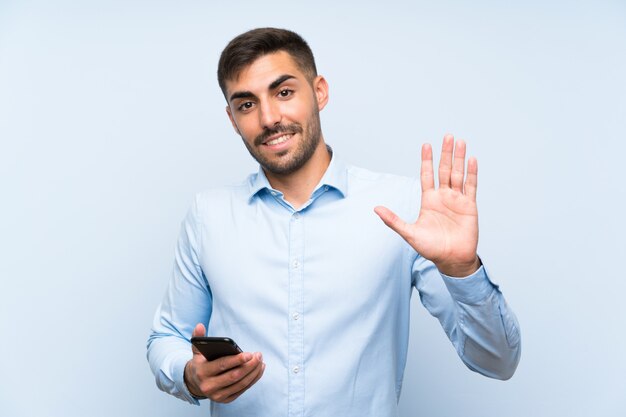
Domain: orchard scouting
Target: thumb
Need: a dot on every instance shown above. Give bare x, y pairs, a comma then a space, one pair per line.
198, 331
393, 221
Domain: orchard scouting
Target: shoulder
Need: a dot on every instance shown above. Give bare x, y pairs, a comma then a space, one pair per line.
223, 192
218, 200
362, 178
399, 193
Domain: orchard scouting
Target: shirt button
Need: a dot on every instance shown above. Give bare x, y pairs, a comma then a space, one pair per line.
296, 369
295, 316
296, 264
296, 215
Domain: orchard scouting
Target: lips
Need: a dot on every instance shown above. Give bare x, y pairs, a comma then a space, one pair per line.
276, 140
282, 133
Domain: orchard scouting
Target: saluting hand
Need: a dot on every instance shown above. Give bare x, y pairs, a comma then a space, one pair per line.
446, 231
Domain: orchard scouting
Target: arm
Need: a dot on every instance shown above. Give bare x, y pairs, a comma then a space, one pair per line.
188, 301
445, 235
475, 316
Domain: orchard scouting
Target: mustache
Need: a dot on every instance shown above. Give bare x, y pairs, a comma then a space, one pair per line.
291, 128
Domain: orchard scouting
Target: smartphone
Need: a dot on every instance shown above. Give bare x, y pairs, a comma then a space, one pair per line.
215, 347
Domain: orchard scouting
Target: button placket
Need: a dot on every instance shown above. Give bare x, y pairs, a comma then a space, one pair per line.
295, 324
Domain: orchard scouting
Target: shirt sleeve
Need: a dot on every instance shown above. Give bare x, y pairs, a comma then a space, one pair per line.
475, 316
187, 301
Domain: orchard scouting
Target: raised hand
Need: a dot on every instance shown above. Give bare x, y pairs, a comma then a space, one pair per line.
224, 379
446, 231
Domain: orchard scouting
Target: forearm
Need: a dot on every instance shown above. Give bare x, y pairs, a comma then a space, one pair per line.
485, 331
168, 354
474, 315
187, 301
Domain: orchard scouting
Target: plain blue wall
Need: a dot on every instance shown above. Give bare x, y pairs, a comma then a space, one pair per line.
111, 119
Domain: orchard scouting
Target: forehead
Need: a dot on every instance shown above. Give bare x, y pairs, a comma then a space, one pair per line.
263, 71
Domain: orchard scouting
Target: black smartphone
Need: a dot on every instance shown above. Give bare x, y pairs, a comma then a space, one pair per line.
215, 347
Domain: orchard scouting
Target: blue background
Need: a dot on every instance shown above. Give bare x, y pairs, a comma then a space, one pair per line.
111, 119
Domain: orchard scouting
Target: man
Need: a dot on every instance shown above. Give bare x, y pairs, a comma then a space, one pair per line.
294, 265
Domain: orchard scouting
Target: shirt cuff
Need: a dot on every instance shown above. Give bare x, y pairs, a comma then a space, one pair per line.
178, 374
471, 289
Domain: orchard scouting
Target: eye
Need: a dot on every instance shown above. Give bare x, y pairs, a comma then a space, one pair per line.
246, 105
285, 92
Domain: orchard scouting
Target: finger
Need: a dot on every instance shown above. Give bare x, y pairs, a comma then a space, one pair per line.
393, 221
445, 163
198, 331
228, 383
471, 182
241, 385
235, 374
427, 176
237, 394
458, 167
226, 363
216, 375
260, 374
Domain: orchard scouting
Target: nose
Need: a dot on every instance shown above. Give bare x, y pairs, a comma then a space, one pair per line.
270, 114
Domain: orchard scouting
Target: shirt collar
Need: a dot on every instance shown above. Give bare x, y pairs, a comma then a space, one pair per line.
336, 176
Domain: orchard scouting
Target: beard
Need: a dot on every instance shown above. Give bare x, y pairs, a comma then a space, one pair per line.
287, 164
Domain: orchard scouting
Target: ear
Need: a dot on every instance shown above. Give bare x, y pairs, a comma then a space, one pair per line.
232, 120
320, 87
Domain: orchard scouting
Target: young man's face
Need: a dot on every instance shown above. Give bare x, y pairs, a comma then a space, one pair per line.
275, 110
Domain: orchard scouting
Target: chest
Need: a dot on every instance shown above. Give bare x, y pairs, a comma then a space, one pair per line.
324, 253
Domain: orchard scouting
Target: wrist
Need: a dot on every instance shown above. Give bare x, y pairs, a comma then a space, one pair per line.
459, 270
188, 385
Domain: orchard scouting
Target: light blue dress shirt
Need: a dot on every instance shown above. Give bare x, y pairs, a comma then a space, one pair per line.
323, 292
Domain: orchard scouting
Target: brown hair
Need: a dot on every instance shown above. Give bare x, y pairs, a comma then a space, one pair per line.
249, 46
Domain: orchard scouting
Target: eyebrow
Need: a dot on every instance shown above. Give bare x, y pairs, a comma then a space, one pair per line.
280, 80
247, 94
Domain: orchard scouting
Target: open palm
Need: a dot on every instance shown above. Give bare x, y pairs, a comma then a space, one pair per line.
446, 230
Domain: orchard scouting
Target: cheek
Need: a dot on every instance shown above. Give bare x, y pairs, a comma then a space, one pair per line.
295, 111
248, 128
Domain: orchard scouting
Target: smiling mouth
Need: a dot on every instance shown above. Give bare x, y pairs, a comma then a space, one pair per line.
279, 140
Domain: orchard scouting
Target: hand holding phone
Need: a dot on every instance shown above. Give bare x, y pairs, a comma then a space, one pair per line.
225, 378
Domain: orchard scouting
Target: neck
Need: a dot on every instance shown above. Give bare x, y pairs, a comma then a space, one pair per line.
298, 186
